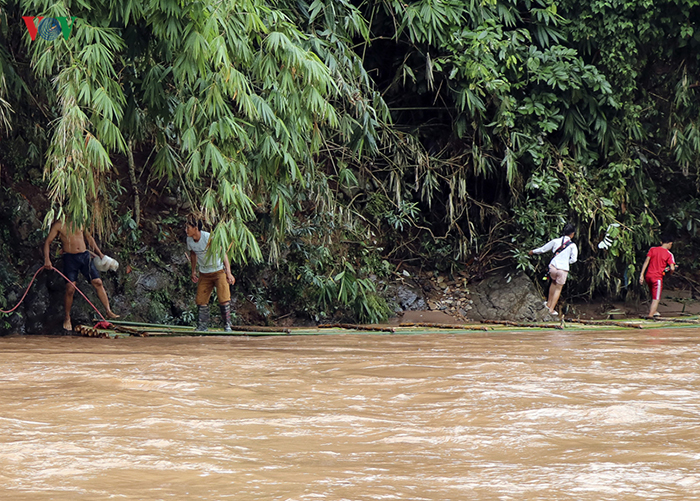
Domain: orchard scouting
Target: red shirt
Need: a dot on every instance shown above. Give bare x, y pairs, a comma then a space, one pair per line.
659, 258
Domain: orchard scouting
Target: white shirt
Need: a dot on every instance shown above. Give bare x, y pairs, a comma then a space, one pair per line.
564, 258
205, 263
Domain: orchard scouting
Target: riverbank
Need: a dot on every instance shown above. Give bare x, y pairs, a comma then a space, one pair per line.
452, 300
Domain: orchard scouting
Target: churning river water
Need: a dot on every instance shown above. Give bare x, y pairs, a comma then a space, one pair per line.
544, 415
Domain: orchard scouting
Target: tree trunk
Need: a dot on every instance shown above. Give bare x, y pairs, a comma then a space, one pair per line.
132, 177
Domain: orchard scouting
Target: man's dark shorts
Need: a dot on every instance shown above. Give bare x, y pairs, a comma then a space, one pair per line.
79, 263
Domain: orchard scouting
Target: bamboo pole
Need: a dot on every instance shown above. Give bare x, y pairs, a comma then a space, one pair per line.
148, 329
357, 327
444, 326
676, 320
256, 328
146, 324
174, 328
606, 322
517, 324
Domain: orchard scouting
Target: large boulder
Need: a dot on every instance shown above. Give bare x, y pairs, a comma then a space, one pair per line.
409, 297
507, 295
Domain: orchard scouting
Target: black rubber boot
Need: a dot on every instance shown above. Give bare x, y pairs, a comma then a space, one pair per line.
226, 315
203, 323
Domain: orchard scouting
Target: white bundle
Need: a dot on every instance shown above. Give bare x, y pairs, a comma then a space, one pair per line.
106, 263
607, 241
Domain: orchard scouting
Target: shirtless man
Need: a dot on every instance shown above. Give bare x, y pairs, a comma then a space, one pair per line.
76, 259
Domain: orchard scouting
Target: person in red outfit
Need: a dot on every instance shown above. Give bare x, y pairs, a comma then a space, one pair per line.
658, 261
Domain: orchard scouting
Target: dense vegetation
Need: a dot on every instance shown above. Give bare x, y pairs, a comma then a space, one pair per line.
329, 140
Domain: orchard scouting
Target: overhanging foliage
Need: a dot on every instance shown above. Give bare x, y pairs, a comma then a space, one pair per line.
443, 132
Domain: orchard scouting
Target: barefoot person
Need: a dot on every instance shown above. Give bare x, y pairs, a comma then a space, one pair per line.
214, 273
565, 254
76, 259
658, 261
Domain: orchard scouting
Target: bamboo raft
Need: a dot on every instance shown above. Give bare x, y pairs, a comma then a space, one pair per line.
123, 329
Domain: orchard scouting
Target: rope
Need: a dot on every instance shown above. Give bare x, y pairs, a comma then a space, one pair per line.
81, 293
25, 292
67, 280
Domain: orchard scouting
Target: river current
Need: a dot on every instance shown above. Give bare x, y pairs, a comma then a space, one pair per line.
536, 415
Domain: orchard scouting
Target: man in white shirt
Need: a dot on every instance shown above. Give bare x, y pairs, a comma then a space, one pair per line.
214, 273
565, 253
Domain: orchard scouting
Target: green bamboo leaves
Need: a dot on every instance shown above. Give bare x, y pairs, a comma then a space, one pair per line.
230, 94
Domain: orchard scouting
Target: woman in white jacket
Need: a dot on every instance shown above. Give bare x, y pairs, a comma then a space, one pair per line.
565, 253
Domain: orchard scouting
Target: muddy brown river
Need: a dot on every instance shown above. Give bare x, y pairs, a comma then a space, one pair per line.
542, 415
